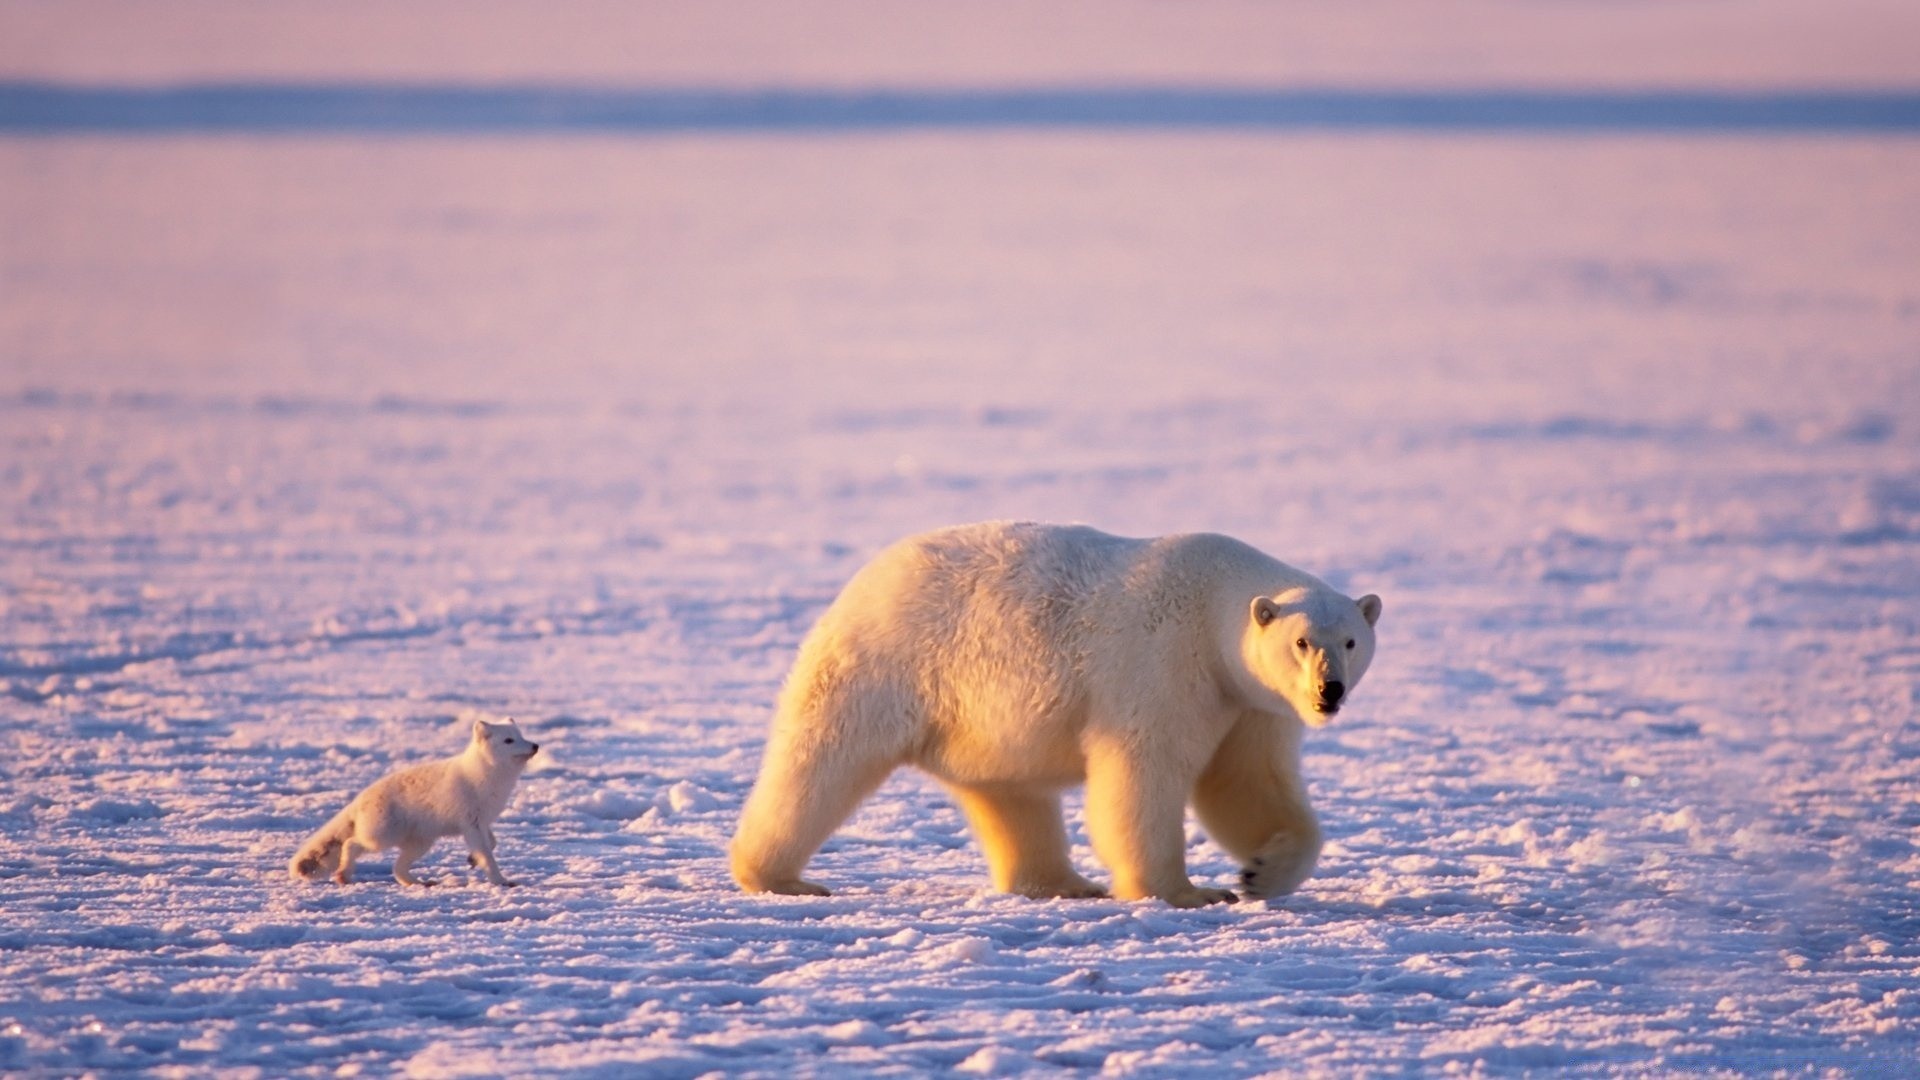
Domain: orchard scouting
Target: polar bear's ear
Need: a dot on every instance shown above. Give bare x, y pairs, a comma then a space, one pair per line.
1369, 608
1264, 610
480, 730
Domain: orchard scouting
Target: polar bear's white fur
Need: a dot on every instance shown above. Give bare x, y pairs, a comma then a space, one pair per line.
1014, 660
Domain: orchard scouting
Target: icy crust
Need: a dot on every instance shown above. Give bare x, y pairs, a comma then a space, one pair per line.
1633, 787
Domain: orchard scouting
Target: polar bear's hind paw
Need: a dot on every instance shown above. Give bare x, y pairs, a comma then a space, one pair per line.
795, 887
1076, 888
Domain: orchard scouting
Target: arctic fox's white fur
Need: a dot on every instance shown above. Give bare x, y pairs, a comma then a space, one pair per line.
410, 809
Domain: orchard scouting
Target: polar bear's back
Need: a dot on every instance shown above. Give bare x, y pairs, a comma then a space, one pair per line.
995, 577
999, 596
1040, 588
965, 648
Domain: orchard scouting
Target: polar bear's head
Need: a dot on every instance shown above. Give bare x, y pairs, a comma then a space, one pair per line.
1310, 647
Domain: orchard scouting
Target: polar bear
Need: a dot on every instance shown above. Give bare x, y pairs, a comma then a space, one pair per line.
1013, 660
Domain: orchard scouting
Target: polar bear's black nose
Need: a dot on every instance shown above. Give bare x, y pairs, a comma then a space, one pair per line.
1332, 692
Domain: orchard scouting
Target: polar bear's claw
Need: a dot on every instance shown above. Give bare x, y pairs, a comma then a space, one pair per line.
1257, 880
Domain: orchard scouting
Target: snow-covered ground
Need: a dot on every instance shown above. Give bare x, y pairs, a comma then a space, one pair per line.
314, 447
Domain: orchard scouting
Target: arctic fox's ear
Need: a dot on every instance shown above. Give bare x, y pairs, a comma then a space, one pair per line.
1263, 610
1369, 608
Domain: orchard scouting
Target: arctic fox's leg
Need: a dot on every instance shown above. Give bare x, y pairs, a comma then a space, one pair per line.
410, 851
1252, 803
487, 831
1136, 818
480, 844
1025, 841
348, 849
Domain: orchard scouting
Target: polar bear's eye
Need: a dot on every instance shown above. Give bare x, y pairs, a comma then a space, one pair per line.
1349, 643
1301, 644
510, 741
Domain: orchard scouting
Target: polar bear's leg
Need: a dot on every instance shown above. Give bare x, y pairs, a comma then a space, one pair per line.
1025, 840
807, 787
1253, 802
1136, 818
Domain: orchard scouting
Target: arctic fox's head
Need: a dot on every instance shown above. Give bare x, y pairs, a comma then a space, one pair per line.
1310, 647
503, 743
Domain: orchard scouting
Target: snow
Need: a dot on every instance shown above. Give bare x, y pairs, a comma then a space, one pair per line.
313, 447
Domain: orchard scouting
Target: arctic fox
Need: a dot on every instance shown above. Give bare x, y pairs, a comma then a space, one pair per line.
410, 809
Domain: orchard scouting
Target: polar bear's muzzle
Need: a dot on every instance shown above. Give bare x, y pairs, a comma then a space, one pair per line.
1330, 694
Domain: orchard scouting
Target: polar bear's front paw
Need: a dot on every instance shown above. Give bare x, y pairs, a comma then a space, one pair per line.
1193, 896
1279, 868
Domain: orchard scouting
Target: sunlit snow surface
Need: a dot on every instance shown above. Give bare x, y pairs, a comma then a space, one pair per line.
314, 447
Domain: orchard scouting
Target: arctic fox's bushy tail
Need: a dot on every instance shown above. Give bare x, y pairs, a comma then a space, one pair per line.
319, 857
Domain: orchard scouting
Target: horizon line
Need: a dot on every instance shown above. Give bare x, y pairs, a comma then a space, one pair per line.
33, 107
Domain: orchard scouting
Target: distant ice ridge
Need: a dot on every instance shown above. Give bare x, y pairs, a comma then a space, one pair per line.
475, 109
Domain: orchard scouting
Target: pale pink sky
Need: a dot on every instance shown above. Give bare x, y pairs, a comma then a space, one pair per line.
1696, 43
